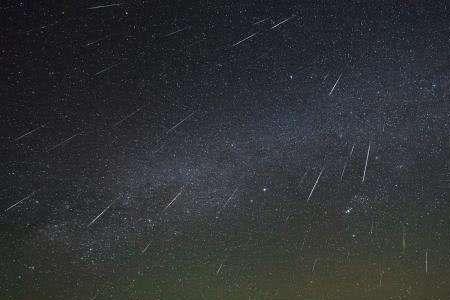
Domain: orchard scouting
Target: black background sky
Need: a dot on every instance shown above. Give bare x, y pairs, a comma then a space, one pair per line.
255, 118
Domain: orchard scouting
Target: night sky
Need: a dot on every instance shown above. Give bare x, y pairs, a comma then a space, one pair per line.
225, 150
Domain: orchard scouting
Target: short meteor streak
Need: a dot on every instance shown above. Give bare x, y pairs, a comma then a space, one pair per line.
314, 265
179, 123
22, 200
348, 160
243, 40
130, 115
97, 217
176, 31
365, 167
229, 198
334, 86
99, 40
351, 151
64, 142
107, 69
104, 6
173, 200
282, 22
146, 247
28, 133
260, 21
315, 184
220, 268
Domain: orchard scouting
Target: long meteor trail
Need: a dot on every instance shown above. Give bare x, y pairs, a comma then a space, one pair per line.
64, 142
365, 167
22, 200
28, 133
315, 184
334, 86
173, 200
243, 40
282, 22
97, 217
179, 123
104, 6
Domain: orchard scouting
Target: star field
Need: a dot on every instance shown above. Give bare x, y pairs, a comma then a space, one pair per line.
225, 150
